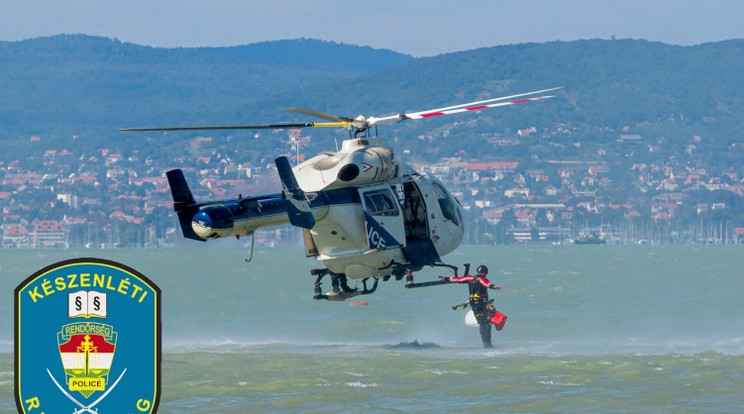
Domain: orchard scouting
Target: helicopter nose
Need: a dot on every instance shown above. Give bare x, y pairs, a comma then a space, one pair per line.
202, 224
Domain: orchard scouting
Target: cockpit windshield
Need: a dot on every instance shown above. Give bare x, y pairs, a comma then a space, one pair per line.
447, 204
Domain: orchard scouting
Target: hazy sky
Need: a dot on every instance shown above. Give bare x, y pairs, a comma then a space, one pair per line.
419, 28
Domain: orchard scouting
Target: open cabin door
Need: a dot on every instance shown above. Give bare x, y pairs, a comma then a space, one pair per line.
383, 219
414, 212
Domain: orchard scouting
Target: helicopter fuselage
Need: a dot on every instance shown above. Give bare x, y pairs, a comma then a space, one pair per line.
372, 216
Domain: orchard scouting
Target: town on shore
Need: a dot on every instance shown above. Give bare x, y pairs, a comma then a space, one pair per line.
108, 198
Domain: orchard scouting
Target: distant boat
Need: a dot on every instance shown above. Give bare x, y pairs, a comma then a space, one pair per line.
593, 238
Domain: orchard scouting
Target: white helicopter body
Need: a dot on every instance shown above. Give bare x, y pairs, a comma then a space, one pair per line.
364, 214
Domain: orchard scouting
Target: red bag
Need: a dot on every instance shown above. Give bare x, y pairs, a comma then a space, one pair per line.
498, 319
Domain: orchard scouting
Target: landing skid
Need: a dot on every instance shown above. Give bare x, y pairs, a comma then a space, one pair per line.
411, 284
341, 290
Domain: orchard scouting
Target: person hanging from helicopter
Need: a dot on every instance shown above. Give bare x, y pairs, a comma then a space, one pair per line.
339, 283
482, 307
341, 289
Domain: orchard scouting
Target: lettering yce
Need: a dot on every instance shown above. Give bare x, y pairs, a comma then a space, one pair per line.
125, 286
375, 238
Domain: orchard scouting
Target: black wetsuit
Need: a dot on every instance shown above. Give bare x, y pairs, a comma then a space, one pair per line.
482, 309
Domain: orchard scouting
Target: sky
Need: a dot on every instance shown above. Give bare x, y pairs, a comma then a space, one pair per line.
417, 27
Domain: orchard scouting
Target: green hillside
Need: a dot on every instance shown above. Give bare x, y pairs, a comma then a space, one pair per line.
80, 85
608, 84
65, 86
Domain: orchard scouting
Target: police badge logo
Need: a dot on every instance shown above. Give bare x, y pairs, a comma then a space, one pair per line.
87, 340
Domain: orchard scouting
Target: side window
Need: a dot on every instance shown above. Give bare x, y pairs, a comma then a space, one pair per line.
446, 204
381, 203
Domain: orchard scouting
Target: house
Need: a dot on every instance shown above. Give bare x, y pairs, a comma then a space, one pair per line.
667, 184
15, 235
503, 142
113, 158
692, 180
551, 191
739, 231
493, 216
526, 132
605, 182
598, 169
74, 220
48, 233
513, 192
629, 138
156, 181
632, 214
525, 217
495, 166
590, 207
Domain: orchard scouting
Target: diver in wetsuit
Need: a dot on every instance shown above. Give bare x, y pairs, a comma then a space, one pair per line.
478, 300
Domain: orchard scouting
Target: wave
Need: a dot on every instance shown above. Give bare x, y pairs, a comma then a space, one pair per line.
415, 344
229, 346
267, 346
549, 347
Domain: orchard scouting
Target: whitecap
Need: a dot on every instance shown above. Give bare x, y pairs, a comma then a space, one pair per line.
444, 372
359, 384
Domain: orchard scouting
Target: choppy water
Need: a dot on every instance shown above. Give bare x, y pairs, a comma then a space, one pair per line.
631, 329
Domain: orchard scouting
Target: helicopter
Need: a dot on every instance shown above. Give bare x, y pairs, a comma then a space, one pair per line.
363, 213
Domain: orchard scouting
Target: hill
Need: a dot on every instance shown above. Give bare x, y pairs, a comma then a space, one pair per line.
652, 88
88, 86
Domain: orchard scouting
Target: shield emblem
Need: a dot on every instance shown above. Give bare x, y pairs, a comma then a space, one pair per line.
86, 360
87, 339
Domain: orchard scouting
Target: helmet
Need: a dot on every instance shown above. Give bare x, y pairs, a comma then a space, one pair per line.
482, 269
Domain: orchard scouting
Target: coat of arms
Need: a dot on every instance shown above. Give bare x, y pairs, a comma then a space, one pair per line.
87, 340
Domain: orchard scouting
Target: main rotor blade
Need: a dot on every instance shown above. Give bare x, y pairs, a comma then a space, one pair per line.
319, 114
470, 106
484, 102
361, 123
431, 114
219, 127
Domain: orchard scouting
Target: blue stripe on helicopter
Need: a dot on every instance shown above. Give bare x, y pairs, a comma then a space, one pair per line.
377, 236
221, 215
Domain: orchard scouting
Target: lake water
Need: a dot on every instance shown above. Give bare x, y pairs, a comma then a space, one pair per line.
632, 329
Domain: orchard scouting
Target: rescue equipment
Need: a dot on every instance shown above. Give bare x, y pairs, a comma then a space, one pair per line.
498, 319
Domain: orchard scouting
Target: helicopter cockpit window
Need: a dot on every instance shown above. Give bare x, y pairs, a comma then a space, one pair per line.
380, 203
446, 204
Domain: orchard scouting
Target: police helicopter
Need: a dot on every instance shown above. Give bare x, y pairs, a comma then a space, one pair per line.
364, 214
